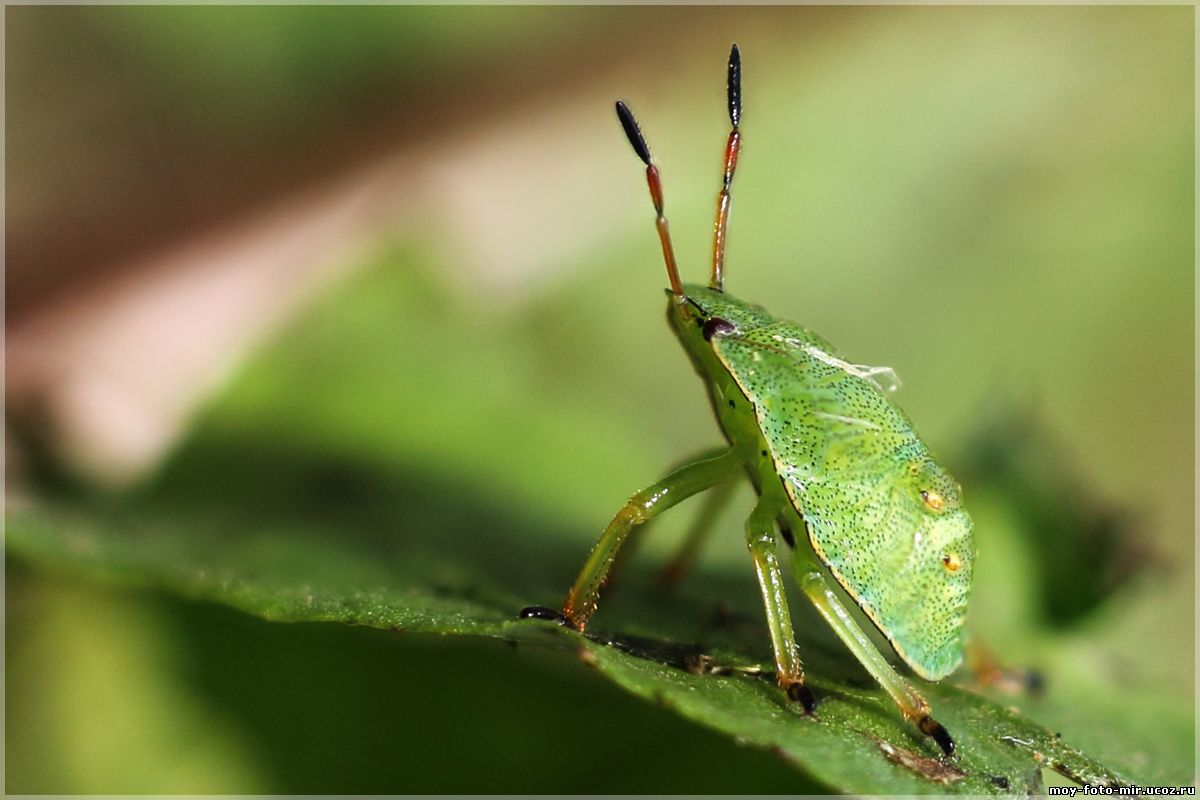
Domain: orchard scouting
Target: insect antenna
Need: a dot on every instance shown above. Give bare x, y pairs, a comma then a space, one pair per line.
732, 147
629, 124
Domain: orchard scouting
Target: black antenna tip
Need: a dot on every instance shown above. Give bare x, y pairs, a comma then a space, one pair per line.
735, 85
633, 132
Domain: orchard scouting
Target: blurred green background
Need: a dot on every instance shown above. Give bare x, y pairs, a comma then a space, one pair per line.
997, 202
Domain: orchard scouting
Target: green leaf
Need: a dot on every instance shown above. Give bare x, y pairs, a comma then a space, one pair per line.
383, 555
313, 500
364, 471
406, 458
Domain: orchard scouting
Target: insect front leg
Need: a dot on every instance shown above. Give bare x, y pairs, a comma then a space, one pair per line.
911, 703
641, 508
760, 539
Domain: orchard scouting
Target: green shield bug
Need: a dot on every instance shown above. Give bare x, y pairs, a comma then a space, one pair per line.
828, 453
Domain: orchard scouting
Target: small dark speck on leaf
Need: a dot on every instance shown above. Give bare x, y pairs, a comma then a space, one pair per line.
999, 781
1056, 763
931, 769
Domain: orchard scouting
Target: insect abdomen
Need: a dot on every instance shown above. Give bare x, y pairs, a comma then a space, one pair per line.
856, 472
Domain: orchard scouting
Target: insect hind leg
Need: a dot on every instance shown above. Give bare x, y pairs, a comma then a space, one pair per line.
911, 703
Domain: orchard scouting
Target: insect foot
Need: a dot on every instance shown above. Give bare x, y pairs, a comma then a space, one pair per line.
931, 727
800, 693
541, 612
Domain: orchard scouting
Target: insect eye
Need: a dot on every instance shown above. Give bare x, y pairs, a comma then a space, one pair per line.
717, 327
933, 500
951, 561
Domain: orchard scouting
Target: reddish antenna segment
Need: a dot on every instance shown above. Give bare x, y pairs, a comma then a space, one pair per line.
655, 183
732, 147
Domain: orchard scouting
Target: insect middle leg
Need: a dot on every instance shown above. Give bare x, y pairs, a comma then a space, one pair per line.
911, 703
707, 513
641, 508
760, 539
702, 526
